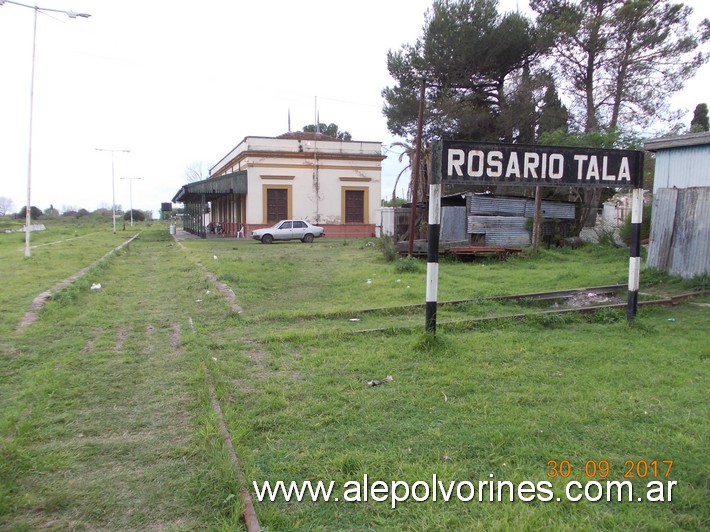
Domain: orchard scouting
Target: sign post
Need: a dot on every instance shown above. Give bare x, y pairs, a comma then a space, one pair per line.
432, 266
480, 163
635, 252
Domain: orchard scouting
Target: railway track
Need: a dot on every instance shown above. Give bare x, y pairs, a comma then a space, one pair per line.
540, 296
534, 296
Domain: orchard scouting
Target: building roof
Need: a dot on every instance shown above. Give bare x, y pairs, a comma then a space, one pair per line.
298, 143
213, 187
682, 141
305, 135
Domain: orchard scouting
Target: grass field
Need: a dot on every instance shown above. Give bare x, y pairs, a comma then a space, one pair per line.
106, 422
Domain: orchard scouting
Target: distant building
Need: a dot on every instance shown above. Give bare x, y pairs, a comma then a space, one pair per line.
332, 183
680, 232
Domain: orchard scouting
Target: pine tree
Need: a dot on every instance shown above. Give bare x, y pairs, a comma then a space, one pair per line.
554, 115
699, 123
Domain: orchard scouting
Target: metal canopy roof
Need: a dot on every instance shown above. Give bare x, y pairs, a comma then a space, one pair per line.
213, 187
681, 141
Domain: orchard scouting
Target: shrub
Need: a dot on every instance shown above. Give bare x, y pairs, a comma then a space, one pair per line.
606, 237
407, 265
388, 246
138, 216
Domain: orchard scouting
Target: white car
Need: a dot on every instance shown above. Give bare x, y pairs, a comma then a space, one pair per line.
288, 230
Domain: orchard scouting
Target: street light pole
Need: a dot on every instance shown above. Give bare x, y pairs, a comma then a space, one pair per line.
36, 9
28, 207
113, 185
130, 192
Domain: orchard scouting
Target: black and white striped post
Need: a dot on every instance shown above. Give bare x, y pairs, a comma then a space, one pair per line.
635, 252
635, 248
432, 267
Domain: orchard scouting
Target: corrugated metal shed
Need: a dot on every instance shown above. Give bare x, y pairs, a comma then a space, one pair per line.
555, 210
510, 206
680, 224
680, 232
691, 240
682, 161
665, 202
453, 223
682, 168
509, 231
496, 205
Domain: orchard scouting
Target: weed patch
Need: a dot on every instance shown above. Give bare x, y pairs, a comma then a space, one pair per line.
408, 265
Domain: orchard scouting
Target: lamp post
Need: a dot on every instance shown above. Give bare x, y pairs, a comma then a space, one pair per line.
113, 185
130, 192
36, 9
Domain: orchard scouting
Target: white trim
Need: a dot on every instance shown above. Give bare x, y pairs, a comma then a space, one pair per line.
634, 273
432, 283
637, 206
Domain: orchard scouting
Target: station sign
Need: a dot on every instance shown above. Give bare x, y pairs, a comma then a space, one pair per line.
480, 163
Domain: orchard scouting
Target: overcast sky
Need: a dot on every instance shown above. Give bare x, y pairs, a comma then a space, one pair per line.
178, 82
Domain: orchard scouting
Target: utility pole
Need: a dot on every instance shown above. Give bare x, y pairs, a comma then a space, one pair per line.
113, 185
417, 164
130, 192
37, 9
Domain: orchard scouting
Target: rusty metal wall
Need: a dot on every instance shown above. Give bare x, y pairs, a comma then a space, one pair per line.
453, 223
551, 210
680, 232
501, 230
496, 206
506, 206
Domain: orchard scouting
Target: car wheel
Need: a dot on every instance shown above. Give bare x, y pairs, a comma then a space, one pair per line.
267, 239
308, 238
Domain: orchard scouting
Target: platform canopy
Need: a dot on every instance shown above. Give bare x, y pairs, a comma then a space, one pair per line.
212, 188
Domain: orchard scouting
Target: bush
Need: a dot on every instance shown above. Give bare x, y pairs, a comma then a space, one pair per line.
35, 213
388, 246
407, 265
138, 216
606, 237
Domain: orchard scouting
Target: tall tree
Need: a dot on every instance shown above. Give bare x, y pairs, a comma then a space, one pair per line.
477, 68
699, 123
553, 115
6, 205
520, 114
470, 58
621, 60
35, 212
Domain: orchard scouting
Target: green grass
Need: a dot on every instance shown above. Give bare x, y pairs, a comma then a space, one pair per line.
64, 248
110, 425
104, 420
499, 401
